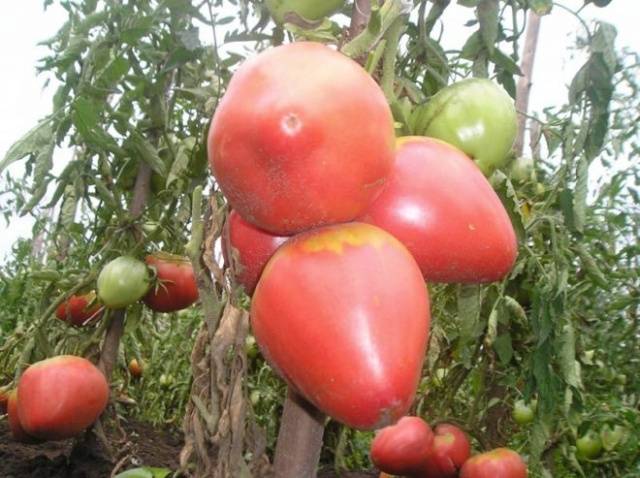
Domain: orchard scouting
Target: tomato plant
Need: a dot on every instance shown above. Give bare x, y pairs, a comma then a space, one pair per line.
250, 248
441, 207
272, 143
327, 317
175, 287
402, 448
122, 282
77, 388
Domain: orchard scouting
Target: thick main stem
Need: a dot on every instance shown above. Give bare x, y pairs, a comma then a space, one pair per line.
299, 439
524, 83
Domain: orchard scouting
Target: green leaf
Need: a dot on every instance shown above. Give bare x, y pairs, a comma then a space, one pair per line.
472, 46
487, 13
505, 62
469, 305
541, 7
36, 140
580, 195
503, 347
567, 356
468, 3
139, 146
181, 163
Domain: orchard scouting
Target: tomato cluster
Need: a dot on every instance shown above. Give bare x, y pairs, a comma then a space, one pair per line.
336, 225
410, 448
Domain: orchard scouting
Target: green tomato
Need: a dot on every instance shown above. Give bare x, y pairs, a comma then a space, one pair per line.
589, 446
251, 347
521, 170
254, 397
311, 10
524, 413
122, 282
611, 437
165, 381
475, 115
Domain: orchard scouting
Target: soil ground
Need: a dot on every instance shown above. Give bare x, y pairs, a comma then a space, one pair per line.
136, 444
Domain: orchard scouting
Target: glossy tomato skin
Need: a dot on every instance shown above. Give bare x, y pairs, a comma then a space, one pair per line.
450, 449
122, 282
401, 449
250, 247
292, 148
176, 287
79, 309
77, 388
342, 313
498, 463
441, 207
17, 432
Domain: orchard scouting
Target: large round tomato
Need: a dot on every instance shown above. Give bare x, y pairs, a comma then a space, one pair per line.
451, 448
60, 397
122, 282
589, 445
79, 309
439, 205
342, 313
250, 247
311, 10
498, 463
303, 137
175, 287
475, 115
402, 449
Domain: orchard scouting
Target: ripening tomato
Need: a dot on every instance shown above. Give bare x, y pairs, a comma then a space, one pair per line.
136, 368
61, 396
302, 138
250, 247
342, 313
402, 449
78, 310
17, 432
450, 449
176, 287
498, 463
441, 207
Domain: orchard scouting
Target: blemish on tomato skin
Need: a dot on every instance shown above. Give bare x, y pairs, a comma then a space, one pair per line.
291, 124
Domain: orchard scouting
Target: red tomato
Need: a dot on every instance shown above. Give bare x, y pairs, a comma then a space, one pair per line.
251, 249
176, 288
76, 310
438, 204
17, 432
60, 397
498, 463
401, 449
342, 313
302, 138
451, 448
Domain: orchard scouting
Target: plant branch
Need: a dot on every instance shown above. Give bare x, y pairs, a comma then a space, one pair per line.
523, 89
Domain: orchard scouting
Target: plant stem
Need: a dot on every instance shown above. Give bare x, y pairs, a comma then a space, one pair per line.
299, 439
524, 83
